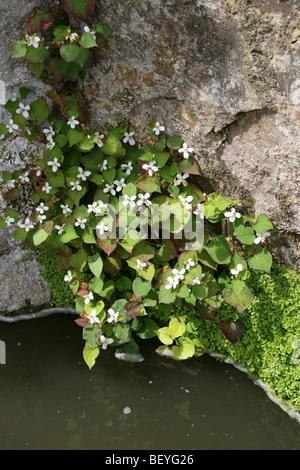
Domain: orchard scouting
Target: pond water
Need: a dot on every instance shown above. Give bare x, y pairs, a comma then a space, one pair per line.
49, 400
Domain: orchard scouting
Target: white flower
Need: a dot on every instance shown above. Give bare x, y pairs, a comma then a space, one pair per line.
101, 228
55, 164
113, 316
74, 37
185, 150
110, 188
105, 341
150, 167
88, 298
236, 271
11, 126
104, 165
120, 184
98, 141
261, 237
129, 200
173, 282
140, 265
72, 122
9, 221
128, 138
197, 280
158, 128
24, 178
2, 136
189, 264
185, 201
97, 207
181, 179
80, 222
47, 188
83, 174
128, 167
28, 225
179, 274
199, 211
49, 133
75, 185
50, 145
23, 109
68, 277
41, 218
87, 30
60, 229
232, 215
66, 209
34, 41
11, 184
93, 317
144, 199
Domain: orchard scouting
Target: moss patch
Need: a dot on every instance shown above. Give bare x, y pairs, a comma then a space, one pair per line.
62, 296
272, 326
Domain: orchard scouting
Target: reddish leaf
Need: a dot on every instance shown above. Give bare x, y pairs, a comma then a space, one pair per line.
13, 194
108, 245
82, 292
39, 21
48, 226
134, 308
233, 331
73, 103
82, 321
79, 9
207, 313
189, 166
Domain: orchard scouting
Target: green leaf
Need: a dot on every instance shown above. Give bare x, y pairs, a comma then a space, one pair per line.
103, 30
140, 287
70, 234
185, 349
245, 235
112, 146
262, 260
19, 49
147, 183
238, 295
262, 224
79, 259
69, 52
87, 40
40, 236
37, 55
164, 335
187, 165
39, 110
219, 250
174, 142
176, 328
79, 9
90, 355
95, 264
75, 136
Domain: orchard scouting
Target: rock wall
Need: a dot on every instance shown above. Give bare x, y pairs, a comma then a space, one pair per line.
224, 74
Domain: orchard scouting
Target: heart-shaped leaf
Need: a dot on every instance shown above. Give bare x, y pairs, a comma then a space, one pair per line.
232, 330
79, 9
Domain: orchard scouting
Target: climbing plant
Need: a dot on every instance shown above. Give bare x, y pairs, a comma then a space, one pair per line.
126, 225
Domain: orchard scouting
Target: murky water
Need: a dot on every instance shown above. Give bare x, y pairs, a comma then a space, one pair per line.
50, 400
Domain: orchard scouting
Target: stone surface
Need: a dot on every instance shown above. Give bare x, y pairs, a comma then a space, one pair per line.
22, 288
224, 74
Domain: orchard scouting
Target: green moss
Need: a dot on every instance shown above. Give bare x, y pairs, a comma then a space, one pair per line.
272, 325
62, 296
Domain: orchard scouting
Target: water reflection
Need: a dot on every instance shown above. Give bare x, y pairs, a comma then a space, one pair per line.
50, 400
